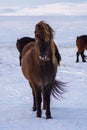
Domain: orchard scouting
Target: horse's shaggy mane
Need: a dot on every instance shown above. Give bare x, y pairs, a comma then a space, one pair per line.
44, 31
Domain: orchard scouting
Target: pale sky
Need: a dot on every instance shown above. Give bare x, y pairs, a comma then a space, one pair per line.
31, 3
45, 7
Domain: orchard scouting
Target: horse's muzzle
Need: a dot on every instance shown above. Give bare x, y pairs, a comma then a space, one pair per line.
44, 58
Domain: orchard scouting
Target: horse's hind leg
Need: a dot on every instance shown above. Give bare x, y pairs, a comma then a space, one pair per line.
83, 56
20, 57
77, 57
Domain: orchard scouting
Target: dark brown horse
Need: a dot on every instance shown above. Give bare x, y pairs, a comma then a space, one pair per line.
21, 43
39, 66
81, 43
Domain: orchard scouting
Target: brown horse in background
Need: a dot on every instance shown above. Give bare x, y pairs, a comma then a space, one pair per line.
21, 43
39, 66
81, 43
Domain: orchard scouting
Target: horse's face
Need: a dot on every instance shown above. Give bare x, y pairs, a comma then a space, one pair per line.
44, 36
44, 50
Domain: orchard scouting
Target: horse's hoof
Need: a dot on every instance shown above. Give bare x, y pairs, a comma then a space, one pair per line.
34, 109
84, 61
50, 117
77, 61
39, 114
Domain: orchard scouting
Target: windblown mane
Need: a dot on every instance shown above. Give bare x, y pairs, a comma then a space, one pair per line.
45, 33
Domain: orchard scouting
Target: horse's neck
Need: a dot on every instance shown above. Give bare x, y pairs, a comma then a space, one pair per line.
27, 48
54, 60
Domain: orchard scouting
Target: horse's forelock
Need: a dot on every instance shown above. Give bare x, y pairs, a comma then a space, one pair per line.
46, 30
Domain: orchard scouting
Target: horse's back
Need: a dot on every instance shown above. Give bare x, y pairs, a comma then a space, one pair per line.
81, 42
22, 42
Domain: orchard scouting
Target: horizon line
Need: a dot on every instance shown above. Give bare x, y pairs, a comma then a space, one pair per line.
61, 8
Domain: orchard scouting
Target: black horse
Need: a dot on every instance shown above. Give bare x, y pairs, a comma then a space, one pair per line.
21, 43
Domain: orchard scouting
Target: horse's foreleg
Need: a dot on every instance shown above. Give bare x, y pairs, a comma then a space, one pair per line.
34, 101
38, 102
46, 99
77, 55
44, 106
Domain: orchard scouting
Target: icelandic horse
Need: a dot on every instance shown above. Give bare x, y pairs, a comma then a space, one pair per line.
39, 66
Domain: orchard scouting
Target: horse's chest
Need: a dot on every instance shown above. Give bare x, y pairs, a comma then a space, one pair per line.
45, 68
45, 73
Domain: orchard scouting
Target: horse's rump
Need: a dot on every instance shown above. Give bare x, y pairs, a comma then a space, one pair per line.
22, 42
81, 43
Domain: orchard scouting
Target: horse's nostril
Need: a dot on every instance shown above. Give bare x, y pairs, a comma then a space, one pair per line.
44, 58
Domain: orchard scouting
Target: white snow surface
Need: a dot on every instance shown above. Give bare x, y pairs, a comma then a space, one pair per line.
70, 113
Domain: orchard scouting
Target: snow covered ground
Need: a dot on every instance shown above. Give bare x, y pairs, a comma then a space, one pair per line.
70, 113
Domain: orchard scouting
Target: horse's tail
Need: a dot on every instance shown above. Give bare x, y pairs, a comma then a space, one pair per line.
58, 89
